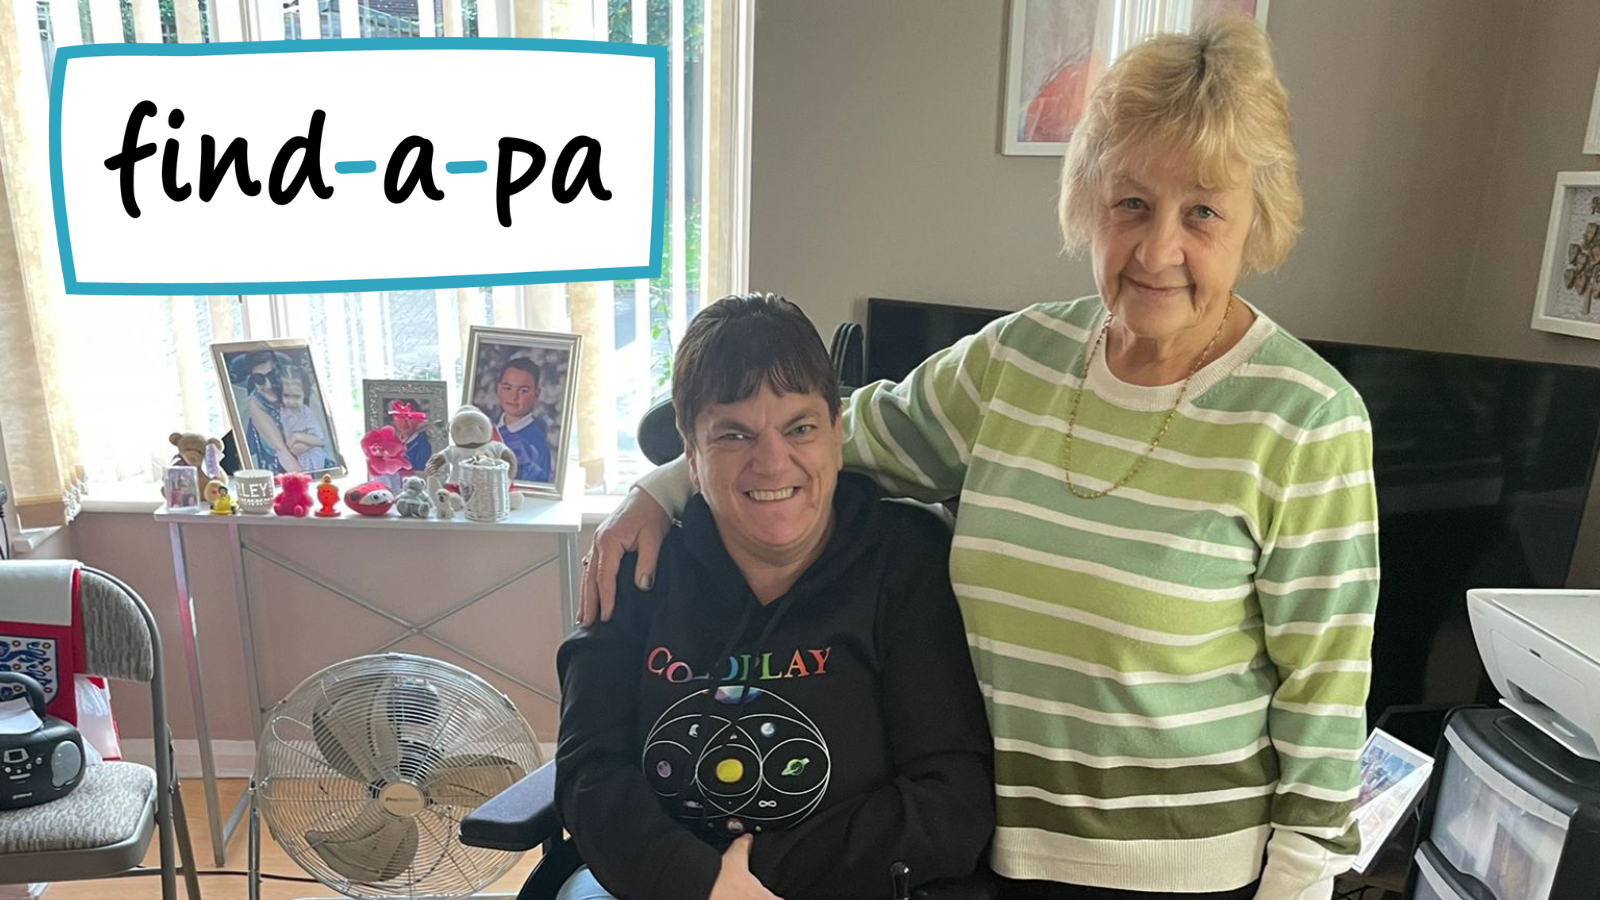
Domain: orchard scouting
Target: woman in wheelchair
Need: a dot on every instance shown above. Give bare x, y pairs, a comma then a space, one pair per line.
793, 708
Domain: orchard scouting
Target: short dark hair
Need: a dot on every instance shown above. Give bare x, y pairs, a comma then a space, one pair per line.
741, 342
239, 367
521, 364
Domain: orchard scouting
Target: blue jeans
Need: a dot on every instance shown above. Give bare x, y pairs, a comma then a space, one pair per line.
582, 886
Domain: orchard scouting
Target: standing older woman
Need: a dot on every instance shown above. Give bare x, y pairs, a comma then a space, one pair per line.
1166, 552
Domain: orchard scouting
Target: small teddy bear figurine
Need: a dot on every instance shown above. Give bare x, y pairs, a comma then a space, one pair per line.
413, 502
195, 449
295, 497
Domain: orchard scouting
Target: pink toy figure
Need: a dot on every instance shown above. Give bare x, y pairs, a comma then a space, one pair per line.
295, 496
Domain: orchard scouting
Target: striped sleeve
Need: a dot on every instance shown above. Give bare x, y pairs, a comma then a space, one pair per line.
916, 437
1317, 582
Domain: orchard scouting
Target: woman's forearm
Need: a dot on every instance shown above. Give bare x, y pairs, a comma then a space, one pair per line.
669, 485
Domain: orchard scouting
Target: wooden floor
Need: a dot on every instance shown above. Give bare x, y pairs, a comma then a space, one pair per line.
228, 887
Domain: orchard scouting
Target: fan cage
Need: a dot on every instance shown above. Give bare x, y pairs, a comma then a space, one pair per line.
390, 719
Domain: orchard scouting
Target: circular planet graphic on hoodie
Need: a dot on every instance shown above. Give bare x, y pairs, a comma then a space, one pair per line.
736, 757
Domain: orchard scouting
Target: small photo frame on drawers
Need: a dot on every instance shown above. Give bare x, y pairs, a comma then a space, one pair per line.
1393, 775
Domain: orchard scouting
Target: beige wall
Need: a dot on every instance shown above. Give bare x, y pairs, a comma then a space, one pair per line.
876, 172
1541, 133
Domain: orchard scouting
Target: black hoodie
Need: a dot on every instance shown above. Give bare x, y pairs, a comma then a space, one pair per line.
841, 724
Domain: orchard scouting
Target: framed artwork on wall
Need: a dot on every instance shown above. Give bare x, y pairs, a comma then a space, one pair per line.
526, 382
1568, 301
1057, 49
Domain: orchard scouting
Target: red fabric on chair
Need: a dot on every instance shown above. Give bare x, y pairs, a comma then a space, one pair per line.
41, 633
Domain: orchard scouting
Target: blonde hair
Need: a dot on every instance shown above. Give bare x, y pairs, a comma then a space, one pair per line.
1212, 93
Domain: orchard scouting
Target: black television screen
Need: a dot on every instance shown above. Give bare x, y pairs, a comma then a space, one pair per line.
901, 333
1483, 468
1482, 465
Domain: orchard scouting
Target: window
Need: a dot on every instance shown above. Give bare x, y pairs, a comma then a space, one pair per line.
138, 368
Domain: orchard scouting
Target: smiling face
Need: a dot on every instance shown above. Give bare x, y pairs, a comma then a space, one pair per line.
517, 392
1167, 251
767, 466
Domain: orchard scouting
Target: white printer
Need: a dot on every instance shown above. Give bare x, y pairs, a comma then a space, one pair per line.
1542, 650
1513, 811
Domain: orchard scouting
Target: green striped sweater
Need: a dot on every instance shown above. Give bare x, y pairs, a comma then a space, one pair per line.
1175, 673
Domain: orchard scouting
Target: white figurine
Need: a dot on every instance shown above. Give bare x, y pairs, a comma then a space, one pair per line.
471, 437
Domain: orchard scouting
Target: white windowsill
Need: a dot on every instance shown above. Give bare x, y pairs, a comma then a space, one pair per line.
30, 539
142, 497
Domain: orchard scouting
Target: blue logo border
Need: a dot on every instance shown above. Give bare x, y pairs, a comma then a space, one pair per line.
619, 273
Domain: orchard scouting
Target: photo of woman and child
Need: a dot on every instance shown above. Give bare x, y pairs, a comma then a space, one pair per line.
274, 401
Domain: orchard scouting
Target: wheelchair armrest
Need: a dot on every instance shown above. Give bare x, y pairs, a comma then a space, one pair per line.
521, 817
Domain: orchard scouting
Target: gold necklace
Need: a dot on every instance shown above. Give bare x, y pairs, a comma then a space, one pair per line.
1083, 385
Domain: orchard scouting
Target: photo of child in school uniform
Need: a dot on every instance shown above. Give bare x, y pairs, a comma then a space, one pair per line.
520, 379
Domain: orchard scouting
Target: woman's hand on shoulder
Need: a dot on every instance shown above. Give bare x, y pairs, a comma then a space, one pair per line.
637, 524
735, 881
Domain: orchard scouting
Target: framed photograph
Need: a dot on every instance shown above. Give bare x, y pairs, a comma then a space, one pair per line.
1392, 778
525, 381
1568, 301
1057, 49
418, 410
277, 407
1591, 138
180, 485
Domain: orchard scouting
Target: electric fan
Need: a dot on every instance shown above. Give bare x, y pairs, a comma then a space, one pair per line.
366, 769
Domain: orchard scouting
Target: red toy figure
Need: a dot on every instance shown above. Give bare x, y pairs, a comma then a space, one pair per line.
294, 498
327, 495
371, 499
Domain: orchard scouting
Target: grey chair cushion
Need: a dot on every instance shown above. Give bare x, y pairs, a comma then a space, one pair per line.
109, 807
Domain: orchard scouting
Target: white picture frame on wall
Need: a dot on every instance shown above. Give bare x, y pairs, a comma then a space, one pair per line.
1057, 49
1591, 138
1568, 301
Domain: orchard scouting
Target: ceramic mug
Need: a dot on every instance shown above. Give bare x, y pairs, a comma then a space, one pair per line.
253, 490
